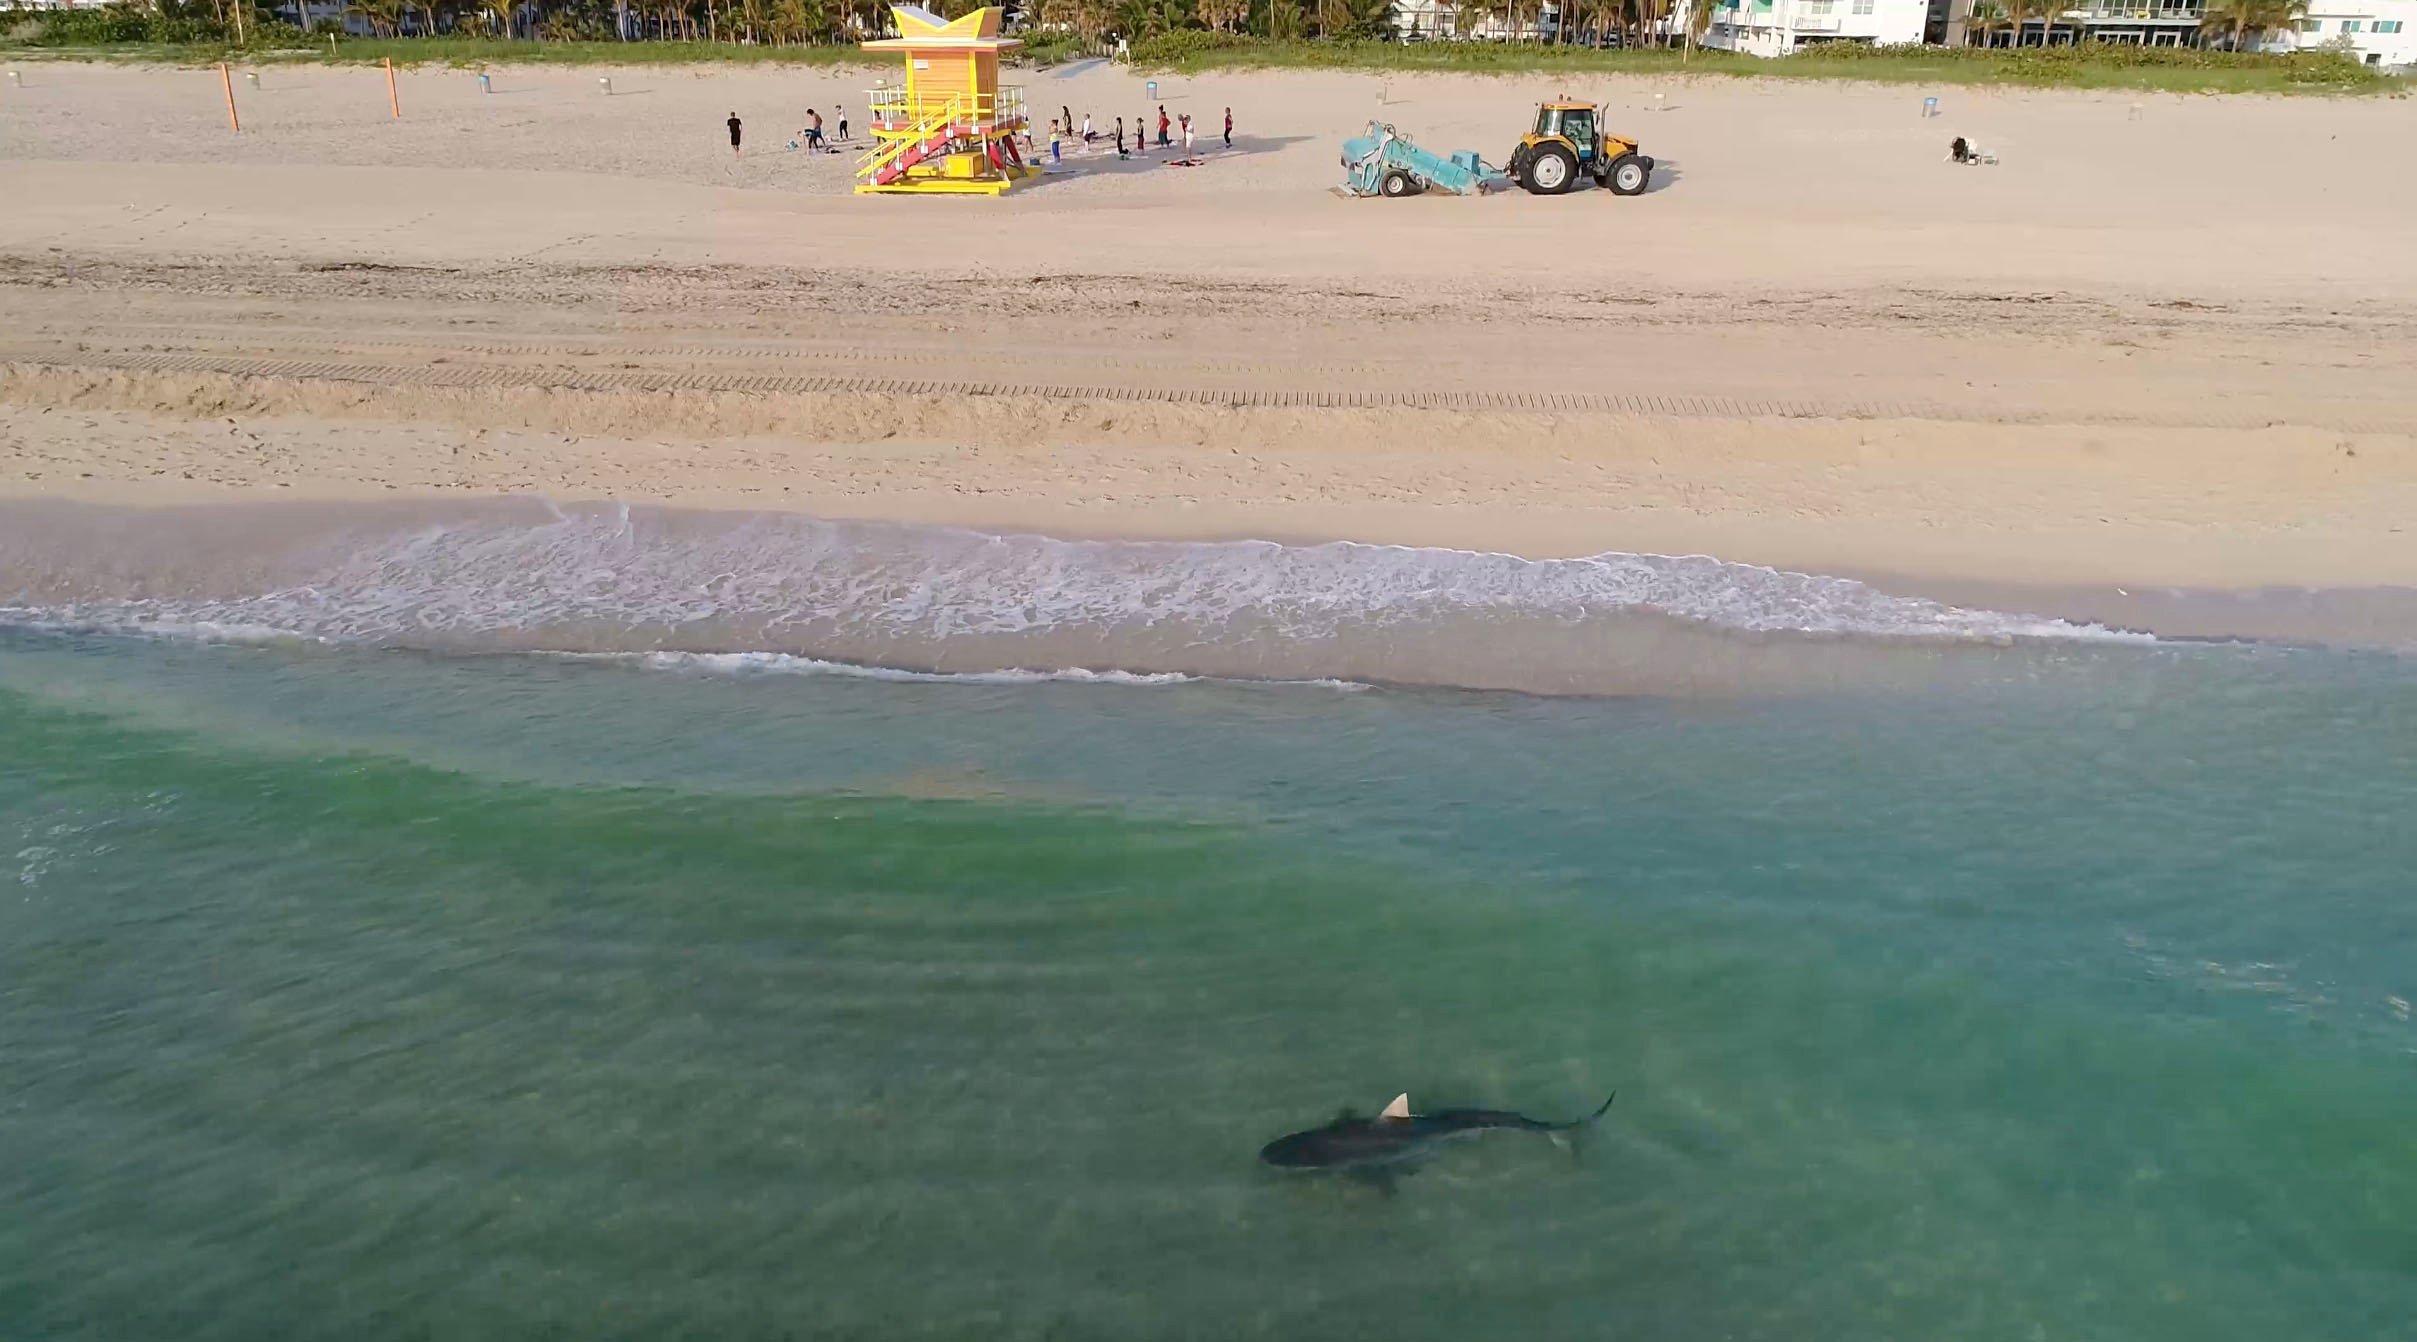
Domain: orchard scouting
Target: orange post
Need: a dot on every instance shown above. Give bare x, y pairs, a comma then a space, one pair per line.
229, 80
391, 100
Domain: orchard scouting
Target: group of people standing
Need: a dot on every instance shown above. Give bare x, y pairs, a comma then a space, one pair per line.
812, 135
1168, 129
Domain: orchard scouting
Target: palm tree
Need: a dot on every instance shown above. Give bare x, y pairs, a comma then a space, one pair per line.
1650, 14
2018, 13
2243, 19
1567, 15
1983, 18
382, 16
1699, 22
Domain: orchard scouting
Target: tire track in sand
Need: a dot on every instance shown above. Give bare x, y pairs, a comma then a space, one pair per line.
1478, 401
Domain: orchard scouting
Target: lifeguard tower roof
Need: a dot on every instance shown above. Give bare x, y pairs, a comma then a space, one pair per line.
950, 126
921, 30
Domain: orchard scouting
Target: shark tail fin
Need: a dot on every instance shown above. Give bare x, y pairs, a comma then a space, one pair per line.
1570, 1136
1400, 1108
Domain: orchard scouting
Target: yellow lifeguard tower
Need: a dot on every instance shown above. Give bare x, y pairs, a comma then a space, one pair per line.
950, 128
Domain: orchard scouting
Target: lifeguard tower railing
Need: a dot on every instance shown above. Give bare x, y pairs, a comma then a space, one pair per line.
901, 110
902, 119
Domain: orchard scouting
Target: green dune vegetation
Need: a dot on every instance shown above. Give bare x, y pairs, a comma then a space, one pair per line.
1602, 36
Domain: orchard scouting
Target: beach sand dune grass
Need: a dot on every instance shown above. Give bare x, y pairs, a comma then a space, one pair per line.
2087, 66
2090, 66
464, 52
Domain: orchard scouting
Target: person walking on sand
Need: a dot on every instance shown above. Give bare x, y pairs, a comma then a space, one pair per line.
1087, 135
840, 114
1120, 137
1163, 141
1054, 155
1187, 135
1229, 127
733, 123
813, 129
1141, 133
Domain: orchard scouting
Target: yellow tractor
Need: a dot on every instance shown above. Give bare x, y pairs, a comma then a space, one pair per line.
1567, 141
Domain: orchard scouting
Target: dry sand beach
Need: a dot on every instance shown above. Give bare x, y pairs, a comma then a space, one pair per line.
2166, 342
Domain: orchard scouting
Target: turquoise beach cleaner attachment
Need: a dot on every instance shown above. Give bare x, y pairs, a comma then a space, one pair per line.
1385, 162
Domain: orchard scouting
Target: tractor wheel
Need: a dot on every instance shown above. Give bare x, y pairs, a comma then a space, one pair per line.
1398, 184
1550, 170
1627, 176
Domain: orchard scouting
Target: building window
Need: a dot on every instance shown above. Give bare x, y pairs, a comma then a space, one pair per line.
1863, 6
2349, 25
2311, 25
1819, 8
2386, 26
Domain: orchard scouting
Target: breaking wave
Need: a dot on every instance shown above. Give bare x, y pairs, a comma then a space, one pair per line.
895, 599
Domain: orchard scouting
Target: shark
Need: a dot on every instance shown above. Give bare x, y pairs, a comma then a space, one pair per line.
1383, 1146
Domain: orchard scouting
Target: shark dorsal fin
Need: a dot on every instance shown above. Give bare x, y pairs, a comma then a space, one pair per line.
1400, 1108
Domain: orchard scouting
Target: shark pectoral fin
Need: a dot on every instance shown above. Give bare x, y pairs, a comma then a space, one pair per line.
1400, 1108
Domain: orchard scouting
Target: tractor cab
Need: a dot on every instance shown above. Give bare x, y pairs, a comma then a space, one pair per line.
1568, 140
1574, 122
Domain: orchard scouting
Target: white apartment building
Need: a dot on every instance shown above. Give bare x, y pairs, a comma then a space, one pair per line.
1777, 27
2382, 33
1417, 19
1426, 20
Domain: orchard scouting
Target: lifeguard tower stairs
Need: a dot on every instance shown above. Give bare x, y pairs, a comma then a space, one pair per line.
950, 128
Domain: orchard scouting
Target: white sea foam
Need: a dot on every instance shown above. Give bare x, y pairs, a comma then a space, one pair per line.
148, 620
782, 594
613, 568
781, 663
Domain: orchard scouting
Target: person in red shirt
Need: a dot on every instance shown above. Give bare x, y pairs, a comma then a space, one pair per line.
1163, 141
1229, 127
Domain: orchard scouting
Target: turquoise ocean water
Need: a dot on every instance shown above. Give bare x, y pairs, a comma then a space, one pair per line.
364, 992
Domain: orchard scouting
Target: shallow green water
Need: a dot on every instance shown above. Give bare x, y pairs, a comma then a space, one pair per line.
373, 995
